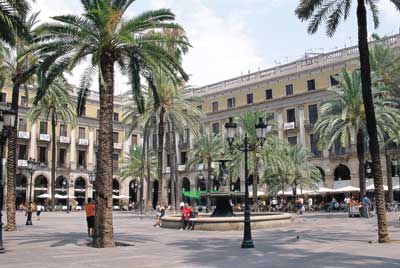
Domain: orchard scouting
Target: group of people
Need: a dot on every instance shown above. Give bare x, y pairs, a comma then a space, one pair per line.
188, 216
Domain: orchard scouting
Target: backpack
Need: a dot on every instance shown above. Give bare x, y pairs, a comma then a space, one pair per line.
162, 212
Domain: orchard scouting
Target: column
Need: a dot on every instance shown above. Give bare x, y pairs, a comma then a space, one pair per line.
301, 126
33, 141
73, 149
280, 124
91, 150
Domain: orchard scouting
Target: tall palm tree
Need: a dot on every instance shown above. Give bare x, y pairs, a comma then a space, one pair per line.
12, 20
56, 105
135, 45
332, 12
343, 120
19, 72
207, 148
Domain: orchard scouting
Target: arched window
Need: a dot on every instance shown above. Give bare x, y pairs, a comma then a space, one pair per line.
342, 173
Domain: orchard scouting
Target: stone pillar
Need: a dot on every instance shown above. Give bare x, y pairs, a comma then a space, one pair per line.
33, 141
301, 126
73, 149
91, 160
280, 124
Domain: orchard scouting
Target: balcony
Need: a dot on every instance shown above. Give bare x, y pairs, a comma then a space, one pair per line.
184, 145
289, 126
309, 124
181, 167
24, 135
84, 142
117, 146
62, 165
44, 165
64, 139
44, 137
22, 163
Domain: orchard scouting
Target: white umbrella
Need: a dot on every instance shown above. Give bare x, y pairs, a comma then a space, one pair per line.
65, 197
372, 187
259, 193
346, 189
116, 197
44, 196
325, 190
58, 196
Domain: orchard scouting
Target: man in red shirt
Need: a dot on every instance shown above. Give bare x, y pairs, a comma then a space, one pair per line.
90, 210
186, 210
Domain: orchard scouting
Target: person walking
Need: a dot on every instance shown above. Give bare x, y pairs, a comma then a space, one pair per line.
90, 210
366, 206
39, 209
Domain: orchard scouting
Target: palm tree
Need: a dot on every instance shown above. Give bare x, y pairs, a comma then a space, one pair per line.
132, 168
332, 12
248, 121
19, 71
135, 45
57, 105
207, 148
290, 165
12, 20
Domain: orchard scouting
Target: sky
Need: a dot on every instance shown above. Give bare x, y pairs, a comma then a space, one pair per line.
233, 37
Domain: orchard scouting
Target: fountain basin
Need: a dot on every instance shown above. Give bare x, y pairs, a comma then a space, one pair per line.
259, 220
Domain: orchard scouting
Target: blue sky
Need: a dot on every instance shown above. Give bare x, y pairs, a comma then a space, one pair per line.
230, 37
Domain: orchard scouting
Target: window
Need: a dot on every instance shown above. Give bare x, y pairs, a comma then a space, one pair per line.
42, 155
231, 102
185, 138
334, 79
289, 90
291, 115
292, 140
338, 149
134, 139
83, 112
63, 130
115, 160
43, 128
183, 158
313, 146
97, 113
249, 98
168, 160
268, 94
3, 97
312, 113
215, 106
115, 137
24, 101
215, 128
22, 124
81, 133
271, 116
22, 152
82, 159
200, 107
311, 84
116, 117
61, 157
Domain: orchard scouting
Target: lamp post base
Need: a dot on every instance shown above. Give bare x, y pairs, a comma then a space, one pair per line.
247, 244
29, 219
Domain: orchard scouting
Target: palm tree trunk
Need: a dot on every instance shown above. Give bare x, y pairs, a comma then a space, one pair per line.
172, 165
178, 187
383, 233
103, 231
255, 181
53, 159
389, 176
361, 162
294, 189
12, 164
160, 155
208, 185
142, 165
148, 177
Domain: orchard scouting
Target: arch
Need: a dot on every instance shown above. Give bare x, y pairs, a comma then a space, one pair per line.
80, 186
321, 170
134, 190
201, 183
185, 187
61, 188
342, 173
41, 185
116, 190
21, 189
155, 193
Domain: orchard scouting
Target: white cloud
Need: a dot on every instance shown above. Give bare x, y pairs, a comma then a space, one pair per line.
221, 46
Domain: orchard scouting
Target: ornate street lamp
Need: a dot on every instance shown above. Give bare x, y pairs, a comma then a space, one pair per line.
245, 146
7, 120
32, 166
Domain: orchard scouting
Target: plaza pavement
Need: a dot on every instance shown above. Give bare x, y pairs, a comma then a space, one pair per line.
331, 240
